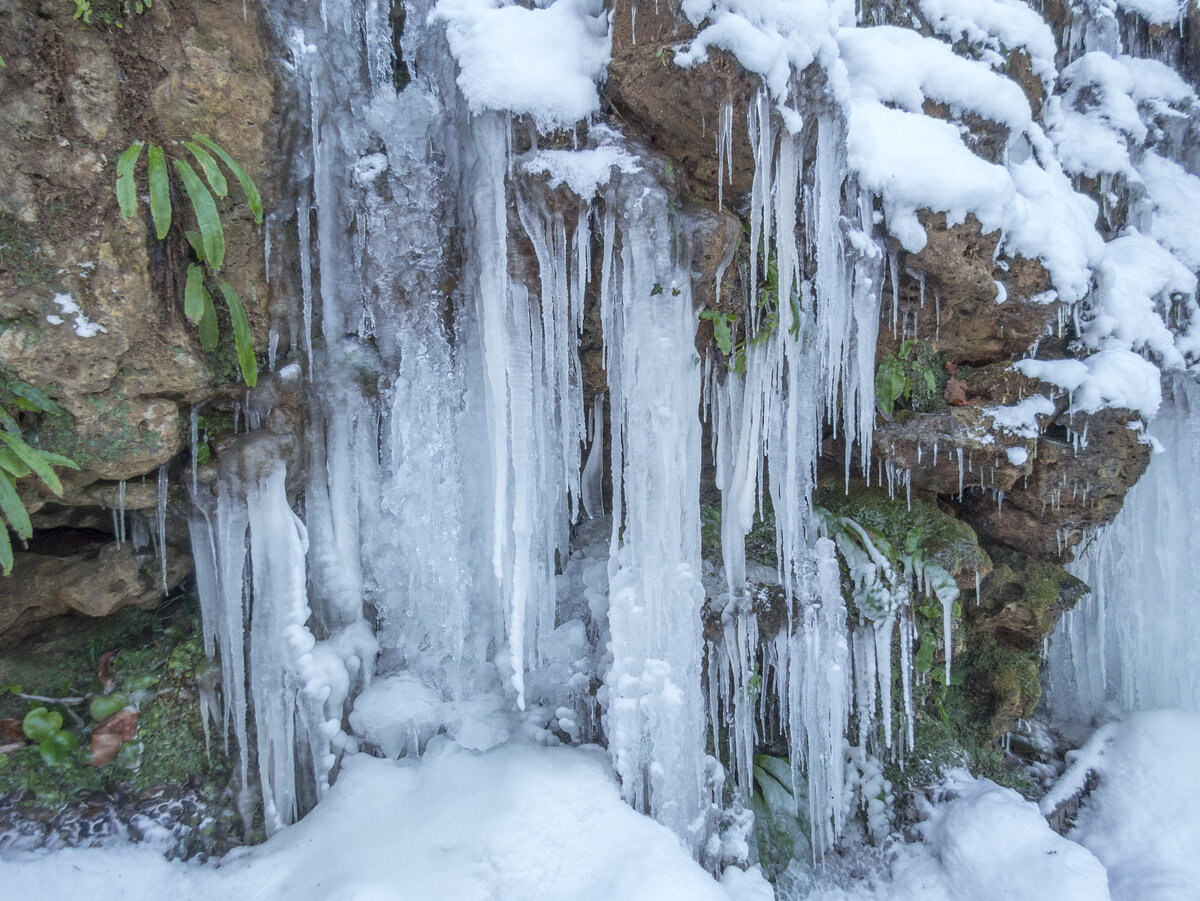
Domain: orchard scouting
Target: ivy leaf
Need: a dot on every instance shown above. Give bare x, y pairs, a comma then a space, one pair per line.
126, 187
924, 657
104, 706
210, 331
211, 170
890, 383
58, 750
722, 334
40, 724
193, 294
248, 188
160, 191
14, 510
33, 459
241, 335
205, 208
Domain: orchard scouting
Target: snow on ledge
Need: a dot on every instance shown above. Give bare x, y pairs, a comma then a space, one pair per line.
544, 63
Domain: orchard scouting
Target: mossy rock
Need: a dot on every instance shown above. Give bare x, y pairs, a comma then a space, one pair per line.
1000, 681
1023, 598
941, 538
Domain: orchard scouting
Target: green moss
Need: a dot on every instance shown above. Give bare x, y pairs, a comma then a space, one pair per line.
941, 538
162, 648
120, 436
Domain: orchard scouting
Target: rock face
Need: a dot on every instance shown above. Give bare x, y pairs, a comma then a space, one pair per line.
91, 306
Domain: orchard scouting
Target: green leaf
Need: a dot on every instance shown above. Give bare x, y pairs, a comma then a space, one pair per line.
58, 750
23, 391
193, 294
14, 510
193, 238
211, 170
6, 552
248, 188
906, 347
930, 380
721, 331
144, 682
10, 688
10, 462
130, 755
210, 331
890, 383
924, 658
241, 335
656, 290
126, 187
33, 460
160, 191
104, 706
40, 724
205, 208
57, 459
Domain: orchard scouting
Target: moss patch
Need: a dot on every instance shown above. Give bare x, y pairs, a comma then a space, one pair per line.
157, 662
942, 539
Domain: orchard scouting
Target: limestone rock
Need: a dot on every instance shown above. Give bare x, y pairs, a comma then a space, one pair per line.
88, 576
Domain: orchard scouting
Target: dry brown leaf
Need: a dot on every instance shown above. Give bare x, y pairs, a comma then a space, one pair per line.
104, 670
112, 732
956, 392
10, 731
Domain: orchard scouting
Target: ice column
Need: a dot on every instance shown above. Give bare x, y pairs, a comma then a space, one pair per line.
654, 718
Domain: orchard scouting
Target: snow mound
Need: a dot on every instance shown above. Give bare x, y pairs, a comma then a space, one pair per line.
520, 823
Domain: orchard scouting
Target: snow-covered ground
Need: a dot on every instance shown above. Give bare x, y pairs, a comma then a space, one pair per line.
525, 822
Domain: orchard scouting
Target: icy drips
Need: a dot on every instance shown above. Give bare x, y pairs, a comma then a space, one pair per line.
1133, 642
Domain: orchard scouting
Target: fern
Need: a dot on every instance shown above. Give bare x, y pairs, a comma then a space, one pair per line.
207, 240
18, 459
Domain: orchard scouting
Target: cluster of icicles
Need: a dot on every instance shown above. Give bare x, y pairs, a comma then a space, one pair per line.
436, 513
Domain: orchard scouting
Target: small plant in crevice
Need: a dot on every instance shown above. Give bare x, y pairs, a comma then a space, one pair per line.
756, 328
18, 459
109, 12
207, 240
915, 375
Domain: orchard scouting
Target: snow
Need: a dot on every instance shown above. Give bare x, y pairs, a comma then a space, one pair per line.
1141, 822
1155, 12
583, 171
543, 62
1173, 194
516, 824
901, 67
1120, 378
1021, 418
997, 25
68, 306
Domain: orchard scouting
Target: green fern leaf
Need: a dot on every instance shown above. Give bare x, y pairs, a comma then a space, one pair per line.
36, 399
241, 335
33, 460
248, 188
210, 332
193, 238
14, 510
193, 297
160, 191
10, 462
126, 186
57, 459
6, 553
205, 208
211, 170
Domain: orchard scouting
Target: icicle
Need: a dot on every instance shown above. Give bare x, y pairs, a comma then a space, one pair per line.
194, 432
161, 524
